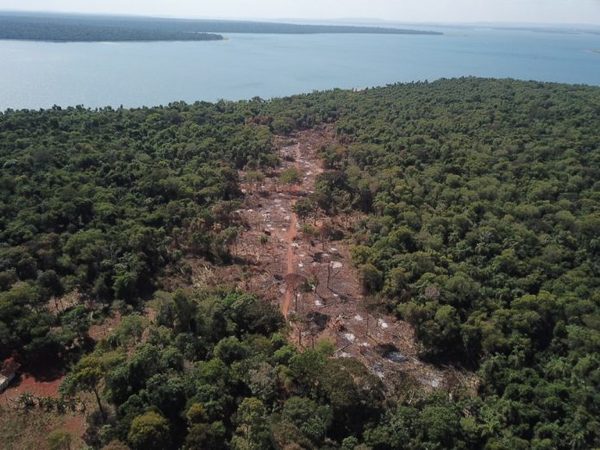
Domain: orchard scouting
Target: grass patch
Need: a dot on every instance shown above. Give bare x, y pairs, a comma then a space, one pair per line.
290, 176
20, 430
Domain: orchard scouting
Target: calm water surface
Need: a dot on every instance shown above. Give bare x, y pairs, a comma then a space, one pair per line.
39, 74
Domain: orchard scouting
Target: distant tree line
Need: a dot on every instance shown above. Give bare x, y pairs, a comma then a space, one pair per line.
20, 28
85, 28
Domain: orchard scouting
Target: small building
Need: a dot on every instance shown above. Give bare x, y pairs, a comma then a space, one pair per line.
8, 372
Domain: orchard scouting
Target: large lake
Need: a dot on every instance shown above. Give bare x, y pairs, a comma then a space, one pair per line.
40, 74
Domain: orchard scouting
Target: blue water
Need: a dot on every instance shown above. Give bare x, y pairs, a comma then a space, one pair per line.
39, 74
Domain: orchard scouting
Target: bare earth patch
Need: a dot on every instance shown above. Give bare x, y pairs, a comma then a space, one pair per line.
29, 430
20, 429
102, 330
282, 261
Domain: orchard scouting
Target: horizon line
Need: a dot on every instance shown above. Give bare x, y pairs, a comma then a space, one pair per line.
383, 22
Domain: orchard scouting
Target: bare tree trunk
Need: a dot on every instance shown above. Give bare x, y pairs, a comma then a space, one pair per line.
99, 403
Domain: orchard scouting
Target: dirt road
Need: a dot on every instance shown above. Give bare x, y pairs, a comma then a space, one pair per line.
290, 237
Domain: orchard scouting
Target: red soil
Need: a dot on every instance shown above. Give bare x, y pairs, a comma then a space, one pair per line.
29, 384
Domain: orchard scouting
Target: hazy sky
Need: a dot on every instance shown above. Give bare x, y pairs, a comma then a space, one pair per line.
538, 11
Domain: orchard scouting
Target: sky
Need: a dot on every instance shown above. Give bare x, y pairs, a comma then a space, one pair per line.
409, 11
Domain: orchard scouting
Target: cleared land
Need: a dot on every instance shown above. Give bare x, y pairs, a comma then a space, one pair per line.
298, 265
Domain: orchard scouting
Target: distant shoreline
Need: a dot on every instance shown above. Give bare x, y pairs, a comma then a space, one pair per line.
71, 28
110, 41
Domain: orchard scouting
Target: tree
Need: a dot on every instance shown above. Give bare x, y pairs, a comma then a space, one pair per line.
441, 425
310, 418
76, 321
167, 393
87, 375
305, 208
396, 284
354, 394
252, 432
371, 278
206, 436
150, 431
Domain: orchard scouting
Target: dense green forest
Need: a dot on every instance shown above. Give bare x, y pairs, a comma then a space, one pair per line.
482, 203
53, 29
480, 211
98, 202
86, 28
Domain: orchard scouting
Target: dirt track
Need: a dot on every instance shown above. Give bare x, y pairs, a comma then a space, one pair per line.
290, 237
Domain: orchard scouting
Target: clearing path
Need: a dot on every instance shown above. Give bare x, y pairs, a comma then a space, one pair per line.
290, 237
311, 277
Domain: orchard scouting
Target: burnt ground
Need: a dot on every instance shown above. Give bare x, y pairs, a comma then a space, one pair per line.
312, 278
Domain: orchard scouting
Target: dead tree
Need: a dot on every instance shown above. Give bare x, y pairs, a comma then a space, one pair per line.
294, 281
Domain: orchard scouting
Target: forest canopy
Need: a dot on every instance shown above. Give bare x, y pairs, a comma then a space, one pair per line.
481, 203
479, 209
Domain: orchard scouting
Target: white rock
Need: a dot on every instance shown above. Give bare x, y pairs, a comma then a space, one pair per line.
349, 337
382, 324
